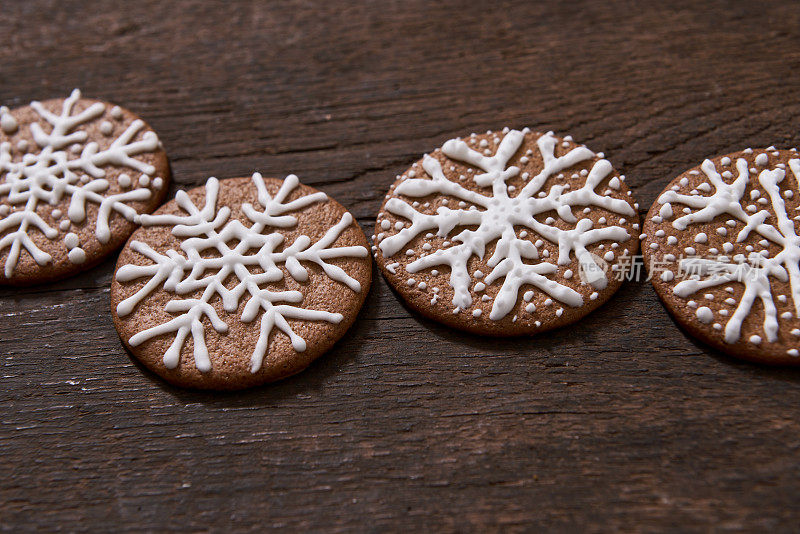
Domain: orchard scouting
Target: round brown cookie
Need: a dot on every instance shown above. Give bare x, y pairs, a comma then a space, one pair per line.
723, 252
507, 233
74, 175
240, 282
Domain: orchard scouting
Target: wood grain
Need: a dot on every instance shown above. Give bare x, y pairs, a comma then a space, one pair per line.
620, 423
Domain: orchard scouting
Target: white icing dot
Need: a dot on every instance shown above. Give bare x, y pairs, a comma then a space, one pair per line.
7, 121
423, 286
755, 340
476, 313
144, 180
385, 224
528, 296
157, 183
530, 308
704, 314
559, 312
106, 128
77, 255
701, 238
410, 282
116, 113
667, 276
71, 240
593, 296
435, 272
480, 286
762, 160
124, 181
793, 352
64, 225
568, 274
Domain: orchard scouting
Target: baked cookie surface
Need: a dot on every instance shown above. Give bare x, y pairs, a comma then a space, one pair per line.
507, 233
75, 174
724, 253
240, 282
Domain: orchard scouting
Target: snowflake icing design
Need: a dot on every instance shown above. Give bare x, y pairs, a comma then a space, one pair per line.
209, 229
52, 173
753, 271
496, 216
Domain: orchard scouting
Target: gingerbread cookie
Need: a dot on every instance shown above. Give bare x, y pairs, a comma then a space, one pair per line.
74, 176
723, 252
240, 282
507, 233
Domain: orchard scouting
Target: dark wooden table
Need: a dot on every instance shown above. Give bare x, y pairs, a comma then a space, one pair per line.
619, 423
